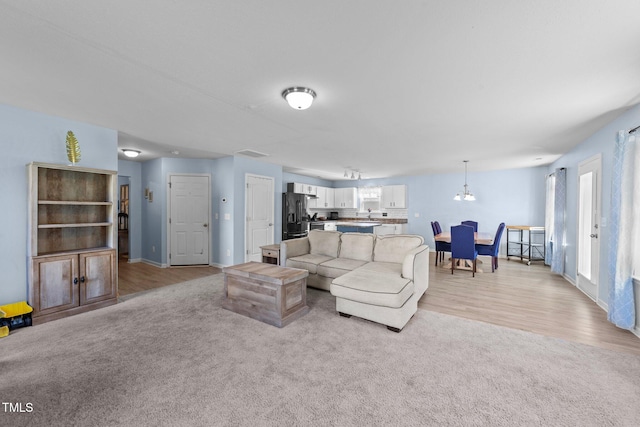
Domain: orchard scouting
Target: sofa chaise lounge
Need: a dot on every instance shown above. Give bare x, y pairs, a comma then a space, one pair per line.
379, 278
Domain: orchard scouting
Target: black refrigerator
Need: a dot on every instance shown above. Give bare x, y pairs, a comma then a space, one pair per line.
295, 219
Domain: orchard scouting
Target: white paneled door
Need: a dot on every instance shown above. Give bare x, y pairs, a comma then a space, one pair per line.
189, 219
259, 213
588, 226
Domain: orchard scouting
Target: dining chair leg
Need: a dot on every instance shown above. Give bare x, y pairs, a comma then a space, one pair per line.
453, 262
474, 268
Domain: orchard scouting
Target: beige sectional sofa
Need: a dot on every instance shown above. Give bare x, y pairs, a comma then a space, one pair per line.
379, 278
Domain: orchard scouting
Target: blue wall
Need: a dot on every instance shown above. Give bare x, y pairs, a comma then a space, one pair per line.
512, 196
602, 142
515, 196
227, 182
27, 137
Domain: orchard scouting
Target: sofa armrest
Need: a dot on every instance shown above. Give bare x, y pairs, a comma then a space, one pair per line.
416, 267
292, 248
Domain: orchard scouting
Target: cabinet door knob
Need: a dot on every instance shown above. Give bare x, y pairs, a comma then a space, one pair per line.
75, 280
82, 279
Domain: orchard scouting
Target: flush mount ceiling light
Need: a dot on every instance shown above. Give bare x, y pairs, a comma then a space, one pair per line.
299, 98
130, 153
466, 194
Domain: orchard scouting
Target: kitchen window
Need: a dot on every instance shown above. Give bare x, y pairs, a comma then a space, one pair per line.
369, 199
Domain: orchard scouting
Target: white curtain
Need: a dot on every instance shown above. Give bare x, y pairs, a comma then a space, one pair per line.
554, 220
625, 204
548, 218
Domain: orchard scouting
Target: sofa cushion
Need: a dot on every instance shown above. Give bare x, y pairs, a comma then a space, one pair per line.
371, 287
357, 246
339, 266
324, 243
383, 267
393, 248
307, 262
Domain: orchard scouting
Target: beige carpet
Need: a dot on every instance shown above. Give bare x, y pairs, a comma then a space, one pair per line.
173, 356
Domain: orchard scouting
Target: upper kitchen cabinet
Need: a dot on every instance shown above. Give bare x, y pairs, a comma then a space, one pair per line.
298, 188
325, 198
346, 198
394, 197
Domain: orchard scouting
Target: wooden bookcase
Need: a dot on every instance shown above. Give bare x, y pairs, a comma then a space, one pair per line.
72, 240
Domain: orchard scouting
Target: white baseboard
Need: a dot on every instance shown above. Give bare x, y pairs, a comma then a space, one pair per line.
155, 264
215, 264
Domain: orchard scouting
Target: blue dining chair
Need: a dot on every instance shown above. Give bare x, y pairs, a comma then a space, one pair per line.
473, 224
463, 246
492, 250
441, 247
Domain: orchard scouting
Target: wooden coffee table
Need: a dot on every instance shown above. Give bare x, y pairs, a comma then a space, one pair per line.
266, 292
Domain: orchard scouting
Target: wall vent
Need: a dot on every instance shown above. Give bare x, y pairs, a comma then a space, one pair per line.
251, 153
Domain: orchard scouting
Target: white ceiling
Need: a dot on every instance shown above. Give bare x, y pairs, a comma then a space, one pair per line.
404, 87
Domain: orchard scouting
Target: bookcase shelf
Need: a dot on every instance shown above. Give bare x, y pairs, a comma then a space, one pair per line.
72, 240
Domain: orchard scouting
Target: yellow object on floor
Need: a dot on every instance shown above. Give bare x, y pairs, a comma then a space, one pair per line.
15, 309
14, 315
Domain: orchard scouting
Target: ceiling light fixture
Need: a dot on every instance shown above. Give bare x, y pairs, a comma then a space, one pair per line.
353, 174
299, 98
466, 195
130, 153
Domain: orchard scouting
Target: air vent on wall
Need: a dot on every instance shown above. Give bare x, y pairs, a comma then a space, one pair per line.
251, 153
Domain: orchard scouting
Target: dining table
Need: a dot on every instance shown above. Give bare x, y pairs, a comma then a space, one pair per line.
480, 238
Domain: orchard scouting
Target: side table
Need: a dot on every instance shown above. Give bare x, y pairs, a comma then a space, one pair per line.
271, 254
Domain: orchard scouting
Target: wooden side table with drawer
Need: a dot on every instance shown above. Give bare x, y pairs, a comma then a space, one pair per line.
271, 254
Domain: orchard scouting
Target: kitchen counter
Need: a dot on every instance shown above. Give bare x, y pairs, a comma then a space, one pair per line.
363, 219
362, 224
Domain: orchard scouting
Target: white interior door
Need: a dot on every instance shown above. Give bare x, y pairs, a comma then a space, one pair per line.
588, 226
259, 213
189, 219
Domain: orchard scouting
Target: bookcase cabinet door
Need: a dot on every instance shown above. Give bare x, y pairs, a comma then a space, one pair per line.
97, 281
55, 284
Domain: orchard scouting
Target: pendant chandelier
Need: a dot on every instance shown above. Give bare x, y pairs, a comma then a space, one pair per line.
466, 194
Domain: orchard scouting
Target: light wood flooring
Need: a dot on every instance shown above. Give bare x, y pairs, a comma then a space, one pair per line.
140, 276
529, 298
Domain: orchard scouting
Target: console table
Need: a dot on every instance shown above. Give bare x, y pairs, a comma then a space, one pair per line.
525, 242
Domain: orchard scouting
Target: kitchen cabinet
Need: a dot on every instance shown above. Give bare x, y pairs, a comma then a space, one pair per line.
324, 198
346, 198
298, 188
72, 240
385, 229
394, 196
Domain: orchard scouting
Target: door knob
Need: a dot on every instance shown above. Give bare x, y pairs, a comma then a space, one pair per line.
205, 225
595, 236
